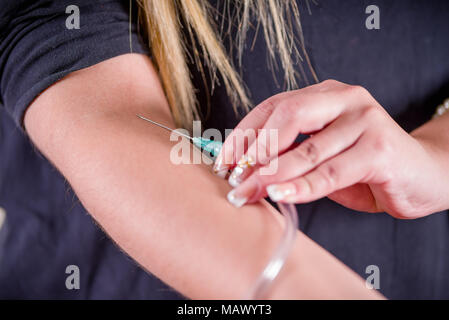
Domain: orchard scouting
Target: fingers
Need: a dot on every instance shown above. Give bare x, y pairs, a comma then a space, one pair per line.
345, 169
289, 119
336, 138
304, 111
333, 158
327, 178
282, 111
243, 135
307, 110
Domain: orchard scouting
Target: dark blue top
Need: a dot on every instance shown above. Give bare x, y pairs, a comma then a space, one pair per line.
404, 65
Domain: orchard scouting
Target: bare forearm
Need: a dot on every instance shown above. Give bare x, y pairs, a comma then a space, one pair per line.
434, 135
436, 131
172, 219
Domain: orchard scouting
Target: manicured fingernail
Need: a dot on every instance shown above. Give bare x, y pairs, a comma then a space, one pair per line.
237, 174
236, 177
278, 192
236, 200
220, 169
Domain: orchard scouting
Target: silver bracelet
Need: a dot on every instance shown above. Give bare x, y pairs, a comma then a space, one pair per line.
441, 109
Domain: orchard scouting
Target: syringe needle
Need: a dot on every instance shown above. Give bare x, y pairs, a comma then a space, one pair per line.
164, 127
211, 147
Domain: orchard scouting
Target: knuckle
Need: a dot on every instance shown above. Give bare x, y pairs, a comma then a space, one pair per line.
327, 85
356, 91
288, 109
382, 145
307, 151
369, 113
265, 108
382, 150
330, 82
328, 175
309, 185
299, 154
359, 90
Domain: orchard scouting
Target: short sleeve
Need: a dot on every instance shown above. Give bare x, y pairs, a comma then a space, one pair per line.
37, 48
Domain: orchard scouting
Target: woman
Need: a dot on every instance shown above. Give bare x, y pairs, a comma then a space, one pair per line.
190, 237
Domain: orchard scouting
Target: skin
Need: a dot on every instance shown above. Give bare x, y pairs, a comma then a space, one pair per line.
357, 155
190, 237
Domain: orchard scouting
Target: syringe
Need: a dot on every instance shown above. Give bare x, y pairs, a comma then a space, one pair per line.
210, 147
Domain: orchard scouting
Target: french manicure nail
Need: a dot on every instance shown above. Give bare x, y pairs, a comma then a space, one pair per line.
235, 200
278, 192
236, 176
220, 169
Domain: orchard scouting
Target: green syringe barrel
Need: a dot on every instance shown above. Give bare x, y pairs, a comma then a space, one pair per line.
210, 147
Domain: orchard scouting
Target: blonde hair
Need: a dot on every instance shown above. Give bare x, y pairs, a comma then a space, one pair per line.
164, 19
